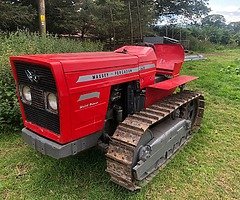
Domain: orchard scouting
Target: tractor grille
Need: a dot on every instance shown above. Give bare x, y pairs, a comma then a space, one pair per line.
42, 118
36, 112
46, 80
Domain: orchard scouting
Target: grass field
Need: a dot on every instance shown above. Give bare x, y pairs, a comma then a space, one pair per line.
208, 168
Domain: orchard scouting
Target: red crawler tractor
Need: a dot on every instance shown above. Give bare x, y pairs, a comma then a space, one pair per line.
124, 101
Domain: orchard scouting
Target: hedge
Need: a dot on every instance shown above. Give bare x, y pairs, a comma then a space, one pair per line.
23, 42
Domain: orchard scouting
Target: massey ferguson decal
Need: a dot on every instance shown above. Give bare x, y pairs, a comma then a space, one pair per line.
105, 75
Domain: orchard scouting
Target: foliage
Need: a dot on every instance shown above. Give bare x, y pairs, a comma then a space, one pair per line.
215, 20
215, 30
60, 17
234, 29
199, 45
212, 32
105, 19
25, 43
14, 16
120, 20
191, 9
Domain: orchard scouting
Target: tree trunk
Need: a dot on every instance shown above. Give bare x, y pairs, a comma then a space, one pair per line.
166, 31
82, 33
139, 20
113, 27
130, 20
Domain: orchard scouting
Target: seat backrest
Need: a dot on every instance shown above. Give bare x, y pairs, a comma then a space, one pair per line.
170, 58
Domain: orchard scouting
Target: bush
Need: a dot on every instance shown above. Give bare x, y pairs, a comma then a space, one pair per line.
200, 46
22, 42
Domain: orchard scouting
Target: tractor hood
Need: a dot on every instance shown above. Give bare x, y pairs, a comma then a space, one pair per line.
72, 62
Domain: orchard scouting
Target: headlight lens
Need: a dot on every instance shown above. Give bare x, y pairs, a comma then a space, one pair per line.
26, 92
52, 101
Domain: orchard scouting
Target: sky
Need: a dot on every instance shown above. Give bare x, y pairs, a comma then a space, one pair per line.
230, 9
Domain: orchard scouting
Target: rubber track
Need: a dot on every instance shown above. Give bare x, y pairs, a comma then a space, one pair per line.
129, 132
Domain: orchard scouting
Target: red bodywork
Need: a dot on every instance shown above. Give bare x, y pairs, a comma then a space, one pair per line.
78, 74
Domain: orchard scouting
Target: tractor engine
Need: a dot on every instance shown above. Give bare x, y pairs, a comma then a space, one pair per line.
124, 99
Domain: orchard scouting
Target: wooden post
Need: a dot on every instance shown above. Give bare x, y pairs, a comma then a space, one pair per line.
42, 17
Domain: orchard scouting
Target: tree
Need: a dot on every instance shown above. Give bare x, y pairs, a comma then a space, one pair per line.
109, 19
234, 27
15, 16
142, 14
122, 20
214, 20
236, 38
190, 9
60, 16
215, 29
104, 19
85, 12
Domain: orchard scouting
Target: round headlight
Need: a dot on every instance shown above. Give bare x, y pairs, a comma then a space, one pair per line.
52, 101
26, 92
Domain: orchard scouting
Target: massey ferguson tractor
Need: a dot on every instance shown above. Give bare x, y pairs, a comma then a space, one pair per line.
131, 101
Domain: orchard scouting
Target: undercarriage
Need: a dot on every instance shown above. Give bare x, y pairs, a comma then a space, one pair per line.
145, 141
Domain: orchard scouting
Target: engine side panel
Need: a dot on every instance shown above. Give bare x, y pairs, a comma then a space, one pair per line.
89, 92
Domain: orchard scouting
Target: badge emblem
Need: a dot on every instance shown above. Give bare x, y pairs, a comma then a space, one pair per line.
32, 76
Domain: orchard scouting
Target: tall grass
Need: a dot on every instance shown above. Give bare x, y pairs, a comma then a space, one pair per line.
19, 43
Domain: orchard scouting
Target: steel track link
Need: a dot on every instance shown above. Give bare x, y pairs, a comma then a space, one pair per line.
121, 151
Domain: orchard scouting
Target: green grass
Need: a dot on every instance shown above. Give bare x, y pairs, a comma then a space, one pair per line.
208, 168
